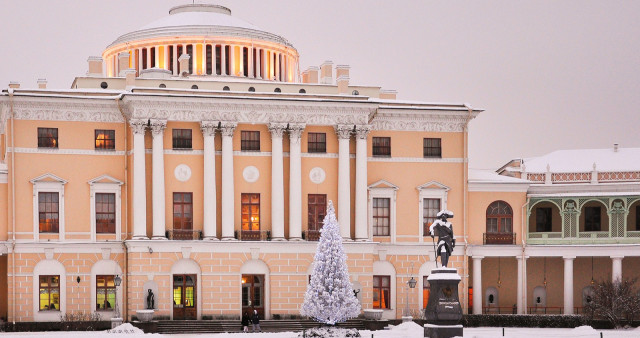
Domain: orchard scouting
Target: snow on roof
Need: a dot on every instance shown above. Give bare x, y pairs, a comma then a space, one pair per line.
199, 19
582, 160
490, 176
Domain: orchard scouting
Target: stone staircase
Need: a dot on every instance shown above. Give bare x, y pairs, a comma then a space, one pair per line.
222, 326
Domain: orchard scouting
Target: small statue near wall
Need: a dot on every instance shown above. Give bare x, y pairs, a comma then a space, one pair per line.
446, 241
150, 300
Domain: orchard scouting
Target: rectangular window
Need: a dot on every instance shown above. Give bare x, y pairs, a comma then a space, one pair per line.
190, 52
250, 212
182, 139
49, 293
430, 208
317, 210
47, 137
209, 52
592, 219
381, 292
432, 147
425, 292
170, 63
105, 293
105, 213
105, 139
543, 220
381, 216
250, 140
382, 146
182, 211
48, 211
317, 143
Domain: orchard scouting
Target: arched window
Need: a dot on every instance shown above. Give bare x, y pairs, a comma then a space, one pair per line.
499, 218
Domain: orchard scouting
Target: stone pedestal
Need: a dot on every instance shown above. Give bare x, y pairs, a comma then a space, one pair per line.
115, 322
145, 315
443, 312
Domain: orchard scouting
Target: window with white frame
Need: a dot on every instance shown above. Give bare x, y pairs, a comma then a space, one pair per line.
382, 209
432, 199
104, 206
48, 205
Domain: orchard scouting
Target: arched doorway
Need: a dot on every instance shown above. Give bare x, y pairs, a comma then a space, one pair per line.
254, 284
499, 224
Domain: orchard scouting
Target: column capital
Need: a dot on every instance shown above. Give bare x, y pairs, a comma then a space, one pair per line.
478, 258
138, 126
568, 258
227, 128
362, 131
158, 126
343, 131
295, 130
208, 128
520, 257
277, 129
616, 257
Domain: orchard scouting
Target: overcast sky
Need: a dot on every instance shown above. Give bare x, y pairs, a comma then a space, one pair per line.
549, 74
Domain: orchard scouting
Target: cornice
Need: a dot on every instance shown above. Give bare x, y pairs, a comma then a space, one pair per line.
66, 109
421, 120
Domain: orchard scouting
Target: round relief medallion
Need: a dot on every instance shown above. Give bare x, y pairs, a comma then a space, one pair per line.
182, 172
250, 174
317, 175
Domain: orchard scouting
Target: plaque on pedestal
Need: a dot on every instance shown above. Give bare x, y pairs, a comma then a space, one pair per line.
443, 312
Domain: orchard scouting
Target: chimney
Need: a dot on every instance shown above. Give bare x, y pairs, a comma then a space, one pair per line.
388, 94
42, 83
615, 147
343, 84
305, 76
313, 74
183, 60
326, 72
342, 70
95, 66
14, 84
123, 63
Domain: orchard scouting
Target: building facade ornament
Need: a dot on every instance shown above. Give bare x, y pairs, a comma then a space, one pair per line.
66, 109
295, 132
138, 126
227, 128
208, 128
277, 129
362, 131
317, 175
251, 174
343, 131
158, 126
182, 172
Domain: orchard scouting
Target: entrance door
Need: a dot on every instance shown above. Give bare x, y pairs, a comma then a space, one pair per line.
184, 297
253, 294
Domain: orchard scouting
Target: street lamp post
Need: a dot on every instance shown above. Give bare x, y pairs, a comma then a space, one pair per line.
411, 284
117, 282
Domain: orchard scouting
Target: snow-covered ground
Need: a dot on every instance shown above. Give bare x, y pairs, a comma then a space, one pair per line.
401, 331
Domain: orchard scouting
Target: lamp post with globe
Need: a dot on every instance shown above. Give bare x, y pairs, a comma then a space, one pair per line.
411, 284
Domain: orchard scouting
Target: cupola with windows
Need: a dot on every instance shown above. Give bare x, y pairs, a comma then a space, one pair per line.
203, 40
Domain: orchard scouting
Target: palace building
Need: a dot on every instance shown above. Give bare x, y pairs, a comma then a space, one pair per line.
196, 160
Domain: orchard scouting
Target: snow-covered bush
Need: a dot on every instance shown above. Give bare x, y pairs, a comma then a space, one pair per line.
329, 298
329, 332
614, 301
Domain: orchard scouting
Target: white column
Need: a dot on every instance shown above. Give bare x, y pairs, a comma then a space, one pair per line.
139, 61
228, 198
361, 182
477, 284
258, 63
344, 181
209, 200
520, 286
568, 284
265, 62
223, 60
295, 182
277, 65
149, 57
175, 59
232, 60
139, 187
157, 197
277, 182
616, 268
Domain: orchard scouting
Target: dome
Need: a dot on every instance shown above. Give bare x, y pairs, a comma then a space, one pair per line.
200, 20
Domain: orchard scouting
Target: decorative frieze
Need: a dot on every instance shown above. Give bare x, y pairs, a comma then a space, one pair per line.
75, 110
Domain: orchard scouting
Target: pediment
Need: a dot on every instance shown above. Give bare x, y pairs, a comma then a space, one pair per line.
48, 177
433, 185
383, 184
106, 179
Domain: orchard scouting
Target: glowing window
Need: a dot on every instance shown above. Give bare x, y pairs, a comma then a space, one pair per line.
105, 293
47, 137
105, 139
49, 293
250, 212
48, 203
381, 292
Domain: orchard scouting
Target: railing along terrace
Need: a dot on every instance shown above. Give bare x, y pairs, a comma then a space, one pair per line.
253, 235
584, 177
183, 235
508, 238
311, 235
499, 310
544, 310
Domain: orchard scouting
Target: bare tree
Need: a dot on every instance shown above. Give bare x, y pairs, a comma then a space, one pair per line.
614, 301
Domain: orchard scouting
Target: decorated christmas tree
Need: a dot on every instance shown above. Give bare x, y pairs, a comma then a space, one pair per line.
330, 298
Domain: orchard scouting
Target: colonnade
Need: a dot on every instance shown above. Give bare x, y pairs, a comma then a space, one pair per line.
568, 296
262, 63
227, 130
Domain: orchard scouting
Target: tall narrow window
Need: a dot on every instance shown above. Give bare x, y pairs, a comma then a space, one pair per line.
245, 61
218, 59
105, 139
432, 147
250, 140
153, 56
48, 211
47, 137
105, 292
250, 212
182, 211
317, 210
317, 143
381, 292
105, 213
170, 63
49, 293
426, 290
592, 220
190, 52
182, 139
227, 65
209, 60
255, 62
381, 216
638, 218
543, 220
381, 146
144, 58
430, 208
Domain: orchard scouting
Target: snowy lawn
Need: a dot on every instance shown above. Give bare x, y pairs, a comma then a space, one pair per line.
401, 331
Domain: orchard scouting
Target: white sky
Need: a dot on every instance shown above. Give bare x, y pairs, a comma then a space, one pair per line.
550, 74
